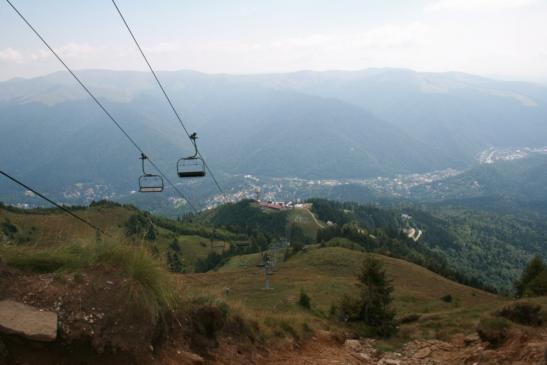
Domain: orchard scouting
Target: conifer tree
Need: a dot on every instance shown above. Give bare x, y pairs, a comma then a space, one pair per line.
534, 268
376, 296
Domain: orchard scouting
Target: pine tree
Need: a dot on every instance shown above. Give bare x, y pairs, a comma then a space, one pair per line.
538, 285
376, 297
174, 262
534, 268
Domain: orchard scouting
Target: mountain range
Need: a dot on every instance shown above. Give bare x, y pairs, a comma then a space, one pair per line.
335, 124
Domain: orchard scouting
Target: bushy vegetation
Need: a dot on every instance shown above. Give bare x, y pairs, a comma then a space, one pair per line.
140, 224
447, 298
212, 261
524, 313
148, 284
8, 229
533, 280
245, 217
304, 300
174, 260
493, 330
489, 245
380, 231
373, 306
210, 318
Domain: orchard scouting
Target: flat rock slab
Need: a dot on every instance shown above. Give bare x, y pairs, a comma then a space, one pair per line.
26, 321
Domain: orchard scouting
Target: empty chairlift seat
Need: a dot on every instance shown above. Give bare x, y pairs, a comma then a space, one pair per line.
191, 166
149, 183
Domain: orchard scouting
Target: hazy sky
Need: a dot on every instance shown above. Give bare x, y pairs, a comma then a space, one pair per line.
500, 38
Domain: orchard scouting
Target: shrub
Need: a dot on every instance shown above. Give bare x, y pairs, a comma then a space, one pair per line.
148, 284
8, 228
304, 301
288, 329
208, 320
332, 310
447, 298
524, 313
349, 308
537, 286
136, 224
493, 330
151, 234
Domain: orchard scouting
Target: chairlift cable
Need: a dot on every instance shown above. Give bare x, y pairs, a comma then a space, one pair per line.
166, 95
99, 103
74, 215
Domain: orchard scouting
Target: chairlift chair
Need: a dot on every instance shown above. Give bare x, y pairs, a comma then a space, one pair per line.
149, 183
191, 166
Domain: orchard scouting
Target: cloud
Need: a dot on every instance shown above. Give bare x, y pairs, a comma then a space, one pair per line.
78, 50
477, 5
392, 36
40, 55
10, 55
383, 37
163, 47
313, 40
69, 50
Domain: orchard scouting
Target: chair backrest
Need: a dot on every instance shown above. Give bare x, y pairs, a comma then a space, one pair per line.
190, 167
151, 184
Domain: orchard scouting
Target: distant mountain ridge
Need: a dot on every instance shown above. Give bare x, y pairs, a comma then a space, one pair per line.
307, 124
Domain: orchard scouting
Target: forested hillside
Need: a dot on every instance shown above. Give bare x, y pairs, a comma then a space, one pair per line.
488, 246
309, 125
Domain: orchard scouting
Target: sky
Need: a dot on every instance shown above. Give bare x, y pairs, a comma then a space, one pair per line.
504, 39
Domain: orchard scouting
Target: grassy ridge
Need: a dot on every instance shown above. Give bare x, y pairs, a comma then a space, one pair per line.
326, 274
52, 228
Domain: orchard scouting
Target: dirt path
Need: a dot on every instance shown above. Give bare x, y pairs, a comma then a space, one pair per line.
315, 219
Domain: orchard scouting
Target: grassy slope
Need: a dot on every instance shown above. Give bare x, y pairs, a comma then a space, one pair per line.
302, 217
57, 228
326, 274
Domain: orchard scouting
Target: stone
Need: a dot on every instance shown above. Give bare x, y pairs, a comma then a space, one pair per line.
27, 321
468, 340
195, 359
390, 362
354, 345
423, 353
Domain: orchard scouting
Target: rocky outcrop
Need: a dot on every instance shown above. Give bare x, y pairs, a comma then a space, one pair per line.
26, 321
